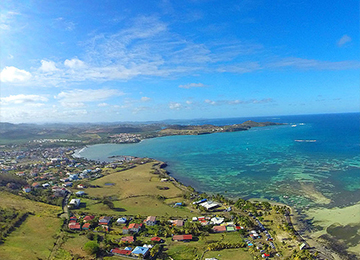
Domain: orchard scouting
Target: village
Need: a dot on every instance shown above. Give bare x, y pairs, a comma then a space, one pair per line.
102, 201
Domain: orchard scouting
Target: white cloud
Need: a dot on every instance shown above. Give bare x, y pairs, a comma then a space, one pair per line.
175, 105
87, 95
208, 101
300, 63
244, 67
74, 63
189, 102
12, 74
7, 19
145, 99
103, 105
48, 66
343, 40
21, 99
192, 85
72, 104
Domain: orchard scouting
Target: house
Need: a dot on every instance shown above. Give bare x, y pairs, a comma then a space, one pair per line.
80, 193
104, 220
118, 251
74, 203
302, 246
27, 189
218, 229
182, 238
208, 205
121, 220
140, 250
128, 239
178, 223
217, 220
46, 185
74, 226
35, 185
125, 230
88, 218
150, 221
230, 229
134, 227
157, 239
65, 180
199, 201
67, 184
86, 226
81, 186
73, 177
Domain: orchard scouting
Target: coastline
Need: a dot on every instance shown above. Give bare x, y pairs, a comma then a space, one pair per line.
300, 221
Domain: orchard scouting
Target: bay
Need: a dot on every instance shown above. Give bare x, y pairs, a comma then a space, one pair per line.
312, 160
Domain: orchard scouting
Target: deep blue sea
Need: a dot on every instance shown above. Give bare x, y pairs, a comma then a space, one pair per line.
311, 159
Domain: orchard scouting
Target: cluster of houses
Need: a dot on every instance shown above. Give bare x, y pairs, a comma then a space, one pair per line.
139, 251
74, 223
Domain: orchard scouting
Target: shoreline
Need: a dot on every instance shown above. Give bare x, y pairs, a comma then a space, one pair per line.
298, 220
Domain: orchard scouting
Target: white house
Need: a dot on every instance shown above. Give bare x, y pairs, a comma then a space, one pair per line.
150, 221
75, 203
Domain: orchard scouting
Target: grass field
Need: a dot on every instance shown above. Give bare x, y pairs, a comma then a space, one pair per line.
184, 251
135, 191
35, 237
74, 245
10, 200
133, 182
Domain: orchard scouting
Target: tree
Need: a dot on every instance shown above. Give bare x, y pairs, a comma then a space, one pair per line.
91, 247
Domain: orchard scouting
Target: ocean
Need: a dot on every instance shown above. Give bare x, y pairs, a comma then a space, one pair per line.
312, 160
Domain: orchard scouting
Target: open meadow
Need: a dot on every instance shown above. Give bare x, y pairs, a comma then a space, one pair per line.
135, 191
35, 237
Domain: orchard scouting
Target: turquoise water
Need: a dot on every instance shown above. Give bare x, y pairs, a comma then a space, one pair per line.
263, 162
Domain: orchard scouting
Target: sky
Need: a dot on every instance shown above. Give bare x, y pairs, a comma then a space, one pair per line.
129, 60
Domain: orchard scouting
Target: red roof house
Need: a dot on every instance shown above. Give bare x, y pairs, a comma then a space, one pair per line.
219, 229
129, 239
86, 226
74, 226
156, 239
182, 237
88, 218
118, 251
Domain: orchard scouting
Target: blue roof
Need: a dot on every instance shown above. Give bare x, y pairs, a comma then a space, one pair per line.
140, 250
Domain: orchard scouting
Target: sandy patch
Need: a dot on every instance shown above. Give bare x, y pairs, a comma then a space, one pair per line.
309, 191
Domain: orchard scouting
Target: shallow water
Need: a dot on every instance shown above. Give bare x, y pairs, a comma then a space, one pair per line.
282, 163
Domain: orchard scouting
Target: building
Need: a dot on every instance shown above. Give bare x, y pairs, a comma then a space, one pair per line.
129, 239
86, 226
218, 229
104, 220
26, 189
208, 205
74, 226
150, 221
121, 220
134, 227
80, 193
140, 250
120, 252
88, 218
74, 203
178, 223
157, 239
182, 238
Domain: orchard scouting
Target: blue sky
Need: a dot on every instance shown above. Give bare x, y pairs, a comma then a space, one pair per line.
117, 60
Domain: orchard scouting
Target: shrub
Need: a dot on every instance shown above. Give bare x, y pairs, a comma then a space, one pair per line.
91, 247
